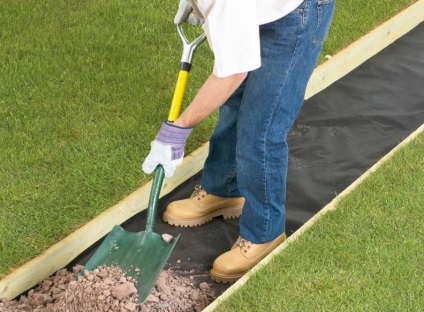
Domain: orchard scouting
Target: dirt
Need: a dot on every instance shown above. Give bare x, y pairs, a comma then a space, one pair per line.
110, 289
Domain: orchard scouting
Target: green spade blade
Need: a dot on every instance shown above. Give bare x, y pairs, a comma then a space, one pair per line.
141, 255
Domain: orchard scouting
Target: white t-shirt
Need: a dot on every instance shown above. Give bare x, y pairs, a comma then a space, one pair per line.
232, 30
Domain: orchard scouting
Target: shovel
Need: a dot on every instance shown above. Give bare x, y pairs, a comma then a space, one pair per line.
143, 255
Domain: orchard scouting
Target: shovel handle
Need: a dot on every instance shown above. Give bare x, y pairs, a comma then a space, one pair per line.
185, 65
177, 100
187, 57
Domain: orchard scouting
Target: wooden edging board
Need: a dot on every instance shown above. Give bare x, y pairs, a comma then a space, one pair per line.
63, 252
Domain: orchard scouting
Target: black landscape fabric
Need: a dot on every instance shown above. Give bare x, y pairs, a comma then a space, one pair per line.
339, 134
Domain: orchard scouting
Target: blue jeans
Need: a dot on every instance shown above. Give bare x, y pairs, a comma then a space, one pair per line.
248, 153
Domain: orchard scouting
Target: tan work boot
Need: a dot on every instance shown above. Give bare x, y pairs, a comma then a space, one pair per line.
201, 207
243, 256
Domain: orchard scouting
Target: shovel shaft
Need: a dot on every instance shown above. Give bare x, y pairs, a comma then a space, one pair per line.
154, 197
174, 112
177, 100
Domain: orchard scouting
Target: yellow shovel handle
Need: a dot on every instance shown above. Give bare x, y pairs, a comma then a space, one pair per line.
185, 66
177, 100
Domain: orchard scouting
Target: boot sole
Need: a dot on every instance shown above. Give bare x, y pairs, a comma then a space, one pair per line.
224, 279
227, 213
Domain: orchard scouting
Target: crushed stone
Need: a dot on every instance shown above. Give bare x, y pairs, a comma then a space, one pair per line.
110, 289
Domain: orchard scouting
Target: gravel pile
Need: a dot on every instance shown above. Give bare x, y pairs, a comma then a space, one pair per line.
110, 289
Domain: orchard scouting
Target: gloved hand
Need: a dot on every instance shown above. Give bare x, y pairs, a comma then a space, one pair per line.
167, 149
188, 13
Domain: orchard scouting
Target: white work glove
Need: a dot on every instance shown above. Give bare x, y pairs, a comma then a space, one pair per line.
167, 149
188, 13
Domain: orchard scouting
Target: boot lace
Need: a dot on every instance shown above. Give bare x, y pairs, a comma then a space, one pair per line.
197, 192
244, 244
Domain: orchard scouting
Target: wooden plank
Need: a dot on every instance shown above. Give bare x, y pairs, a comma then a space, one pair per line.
60, 254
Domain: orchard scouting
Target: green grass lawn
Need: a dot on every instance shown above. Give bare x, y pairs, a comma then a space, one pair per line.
367, 255
84, 87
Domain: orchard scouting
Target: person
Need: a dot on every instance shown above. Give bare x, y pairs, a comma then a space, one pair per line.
264, 54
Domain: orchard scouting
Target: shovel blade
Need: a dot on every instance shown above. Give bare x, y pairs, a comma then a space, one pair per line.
141, 255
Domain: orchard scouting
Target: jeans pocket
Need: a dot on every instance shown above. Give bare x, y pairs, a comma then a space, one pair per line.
325, 10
